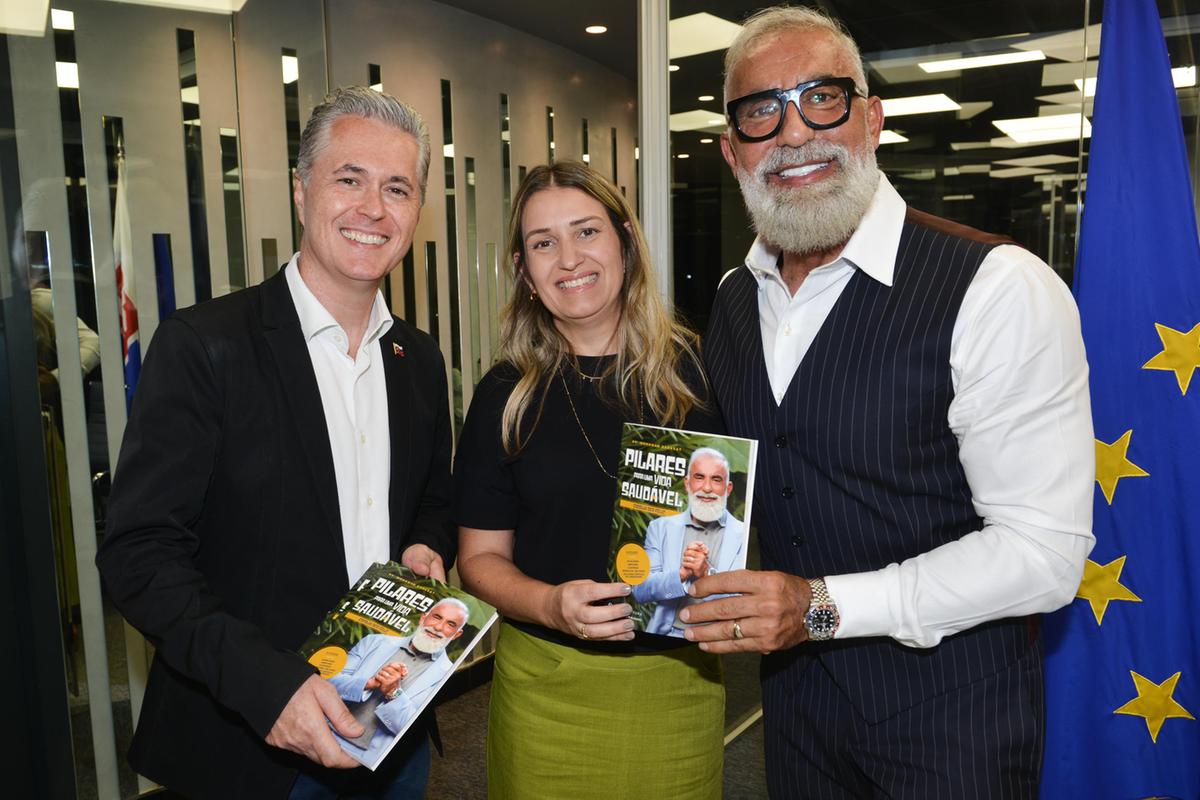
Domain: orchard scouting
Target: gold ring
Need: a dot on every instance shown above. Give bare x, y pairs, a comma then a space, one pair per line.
582, 632
737, 630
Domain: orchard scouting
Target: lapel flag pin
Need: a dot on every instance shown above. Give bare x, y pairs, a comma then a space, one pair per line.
397, 349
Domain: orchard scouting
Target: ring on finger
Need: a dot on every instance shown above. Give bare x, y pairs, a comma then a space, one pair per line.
583, 631
737, 630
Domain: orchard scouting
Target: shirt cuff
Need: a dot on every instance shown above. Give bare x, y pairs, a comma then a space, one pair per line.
864, 602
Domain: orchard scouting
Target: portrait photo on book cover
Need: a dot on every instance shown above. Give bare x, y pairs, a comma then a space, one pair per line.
681, 514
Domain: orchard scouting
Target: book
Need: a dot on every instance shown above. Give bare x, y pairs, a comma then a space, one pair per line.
682, 512
389, 646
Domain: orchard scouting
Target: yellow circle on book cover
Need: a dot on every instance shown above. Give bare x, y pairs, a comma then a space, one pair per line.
633, 565
329, 660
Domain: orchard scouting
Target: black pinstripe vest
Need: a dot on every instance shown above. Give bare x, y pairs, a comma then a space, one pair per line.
858, 467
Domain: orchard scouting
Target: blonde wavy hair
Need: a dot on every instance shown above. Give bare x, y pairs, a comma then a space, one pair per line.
652, 349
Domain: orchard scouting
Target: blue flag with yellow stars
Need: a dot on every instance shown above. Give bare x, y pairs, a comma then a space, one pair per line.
1123, 660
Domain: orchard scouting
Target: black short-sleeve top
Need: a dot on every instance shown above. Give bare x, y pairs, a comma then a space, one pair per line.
554, 493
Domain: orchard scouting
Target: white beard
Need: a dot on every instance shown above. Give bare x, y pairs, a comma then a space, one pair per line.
816, 217
428, 643
707, 511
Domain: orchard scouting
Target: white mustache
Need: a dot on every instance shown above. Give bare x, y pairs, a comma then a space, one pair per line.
784, 156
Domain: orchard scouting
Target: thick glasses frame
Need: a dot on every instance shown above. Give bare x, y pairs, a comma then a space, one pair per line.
785, 96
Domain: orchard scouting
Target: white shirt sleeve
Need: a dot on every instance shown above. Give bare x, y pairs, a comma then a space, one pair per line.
1022, 416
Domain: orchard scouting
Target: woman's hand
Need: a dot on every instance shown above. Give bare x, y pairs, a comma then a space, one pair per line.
572, 608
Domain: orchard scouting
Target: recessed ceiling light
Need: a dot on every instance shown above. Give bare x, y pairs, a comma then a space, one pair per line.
291, 69
1054, 128
596, 29
706, 140
66, 74
699, 33
920, 104
891, 137
974, 62
673, 68
1181, 77
683, 155
704, 98
950, 197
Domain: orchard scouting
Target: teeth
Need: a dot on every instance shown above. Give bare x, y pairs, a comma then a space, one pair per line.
799, 172
575, 283
364, 238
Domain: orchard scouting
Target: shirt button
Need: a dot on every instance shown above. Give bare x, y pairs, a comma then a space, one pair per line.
337, 337
787, 330
788, 492
362, 437
797, 541
370, 501
781, 441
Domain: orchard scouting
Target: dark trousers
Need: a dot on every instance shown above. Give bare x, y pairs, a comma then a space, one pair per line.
401, 776
982, 740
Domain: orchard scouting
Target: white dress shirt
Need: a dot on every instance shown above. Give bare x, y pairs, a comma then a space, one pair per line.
354, 397
1022, 417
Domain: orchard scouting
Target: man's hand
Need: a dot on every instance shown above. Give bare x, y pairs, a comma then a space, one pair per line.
769, 611
695, 561
423, 560
387, 680
302, 727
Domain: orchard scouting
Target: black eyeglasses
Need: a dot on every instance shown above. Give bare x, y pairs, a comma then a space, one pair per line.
823, 104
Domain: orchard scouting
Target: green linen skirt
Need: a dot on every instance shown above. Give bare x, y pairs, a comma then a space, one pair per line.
567, 724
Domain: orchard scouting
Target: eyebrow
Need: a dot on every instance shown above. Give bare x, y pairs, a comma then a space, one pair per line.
570, 224
357, 170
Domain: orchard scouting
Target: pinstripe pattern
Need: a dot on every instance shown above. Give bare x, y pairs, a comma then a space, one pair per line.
858, 468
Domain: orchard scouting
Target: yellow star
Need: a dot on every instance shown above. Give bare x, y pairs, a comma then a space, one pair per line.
1180, 354
1154, 703
1112, 465
1101, 584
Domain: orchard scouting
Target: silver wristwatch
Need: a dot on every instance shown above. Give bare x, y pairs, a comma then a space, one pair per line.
821, 621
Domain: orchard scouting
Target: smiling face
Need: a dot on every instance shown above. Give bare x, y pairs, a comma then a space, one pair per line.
708, 488
359, 207
572, 257
439, 626
806, 189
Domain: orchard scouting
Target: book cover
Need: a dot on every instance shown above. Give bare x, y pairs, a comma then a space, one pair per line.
389, 645
682, 512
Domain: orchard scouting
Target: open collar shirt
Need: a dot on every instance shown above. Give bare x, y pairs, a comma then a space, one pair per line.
354, 398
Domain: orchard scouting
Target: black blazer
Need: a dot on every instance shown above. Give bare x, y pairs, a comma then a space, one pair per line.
224, 544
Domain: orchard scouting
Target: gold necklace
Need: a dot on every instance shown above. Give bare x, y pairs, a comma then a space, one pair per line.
575, 414
583, 375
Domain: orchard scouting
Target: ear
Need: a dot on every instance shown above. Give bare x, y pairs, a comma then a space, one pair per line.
874, 119
728, 487
298, 196
729, 153
457, 634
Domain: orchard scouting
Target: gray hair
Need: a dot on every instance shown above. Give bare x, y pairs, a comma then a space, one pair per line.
362, 101
709, 452
453, 601
775, 20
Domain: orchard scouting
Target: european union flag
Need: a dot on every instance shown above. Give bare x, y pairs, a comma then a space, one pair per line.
1123, 660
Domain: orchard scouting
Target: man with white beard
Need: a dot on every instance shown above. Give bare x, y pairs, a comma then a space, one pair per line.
387, 679
705, 539
925, 488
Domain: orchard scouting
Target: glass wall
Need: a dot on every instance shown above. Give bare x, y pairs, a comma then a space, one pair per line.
147, 153
983, 124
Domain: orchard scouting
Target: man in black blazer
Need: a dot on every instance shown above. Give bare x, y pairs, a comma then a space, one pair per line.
266, 424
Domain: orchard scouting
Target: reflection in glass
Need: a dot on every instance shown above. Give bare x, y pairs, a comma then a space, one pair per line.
505, 163
614, 159
431, 287
291, 117
408, 271
452, 255
270, 257
549, 135
587, 156
492, 270
164, 273
231, 185
193, 158
472, 274
375, 77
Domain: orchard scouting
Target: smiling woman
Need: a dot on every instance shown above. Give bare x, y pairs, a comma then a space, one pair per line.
587, 344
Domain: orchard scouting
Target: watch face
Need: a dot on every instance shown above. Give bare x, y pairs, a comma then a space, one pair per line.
821, 622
